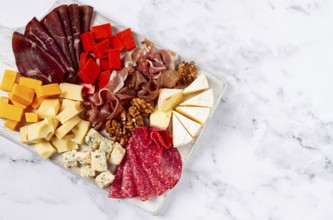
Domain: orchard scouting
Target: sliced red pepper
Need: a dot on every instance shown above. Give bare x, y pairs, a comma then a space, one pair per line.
114, 59
126, 37
116, 43
100, 49
103, 78
84, 57
87, 40
102, 31
88, 88
104, 63
89, 72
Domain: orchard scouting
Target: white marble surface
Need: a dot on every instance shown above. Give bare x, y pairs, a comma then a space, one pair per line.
268, 153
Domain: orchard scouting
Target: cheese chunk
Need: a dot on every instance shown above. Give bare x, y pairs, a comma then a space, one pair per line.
198, 114
71, 91
12, 125
80, 130
64, 144
22, 94
11, 112
29, 82
180, 135
93, 138
83, 157
52, 89
203, 99
117, 154
67, 103
40, 130
69, 113
8, 80
104, 179
49, 108
160, 119
98, 161
191, 126
67, 127
44, 149
31, 117
18, 104
87, 172
4, 100
36, 102
169, 98
106, 146
24, 134
199, 84
69, 159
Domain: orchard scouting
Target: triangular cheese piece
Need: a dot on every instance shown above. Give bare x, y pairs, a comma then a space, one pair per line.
199, 84
180, 135
203, 99
191, 126
169, 98
198, 114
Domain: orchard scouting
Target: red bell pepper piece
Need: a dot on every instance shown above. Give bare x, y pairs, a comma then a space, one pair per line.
84, 57
104, 63
87, 40
89, 72
116, 43
104, 78
88, 88
114, 59
126, 37
100, 49
102, 31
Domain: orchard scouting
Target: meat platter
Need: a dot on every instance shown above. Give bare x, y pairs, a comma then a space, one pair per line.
152, 204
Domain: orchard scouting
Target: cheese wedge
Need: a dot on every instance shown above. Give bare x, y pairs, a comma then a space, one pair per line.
169, 98
71, 91
180, 135
203, 99
160, 119
191, 126
198, 114
45, 149
199, 84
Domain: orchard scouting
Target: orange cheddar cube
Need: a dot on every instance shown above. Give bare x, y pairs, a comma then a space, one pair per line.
29, 82
31, 117
36, 102
18, 104
4, 100
12, 125
8, 80
48, 90
22, 94
11, 112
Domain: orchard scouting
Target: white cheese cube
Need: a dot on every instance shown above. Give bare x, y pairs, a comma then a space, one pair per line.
49, 108
71, 91
67, 127
69, 113
64, 144
69, 159
45, 149
160, 119
106, 146
87, 172
80, 130
83, 157
98, 161
104, 179
93, 138
67, 103
117, 154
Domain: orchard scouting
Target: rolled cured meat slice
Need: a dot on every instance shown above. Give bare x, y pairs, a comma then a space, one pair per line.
35, 62
74, 17
86, 13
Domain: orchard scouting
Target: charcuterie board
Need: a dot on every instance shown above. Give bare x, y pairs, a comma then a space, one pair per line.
7, 61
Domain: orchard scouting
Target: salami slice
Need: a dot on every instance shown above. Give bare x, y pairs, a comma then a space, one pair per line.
128, 186
161, 138
154, 180
115, 189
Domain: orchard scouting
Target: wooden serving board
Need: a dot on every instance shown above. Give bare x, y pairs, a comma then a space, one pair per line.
7, 61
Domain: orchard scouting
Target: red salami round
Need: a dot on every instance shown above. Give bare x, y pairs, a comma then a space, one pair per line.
128, 186
115, 189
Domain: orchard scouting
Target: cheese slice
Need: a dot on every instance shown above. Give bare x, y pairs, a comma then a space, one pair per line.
67, 127
69, 113
191, 126
169, 98
67, 103
80, 130
45, 149
203, 99
180, 135
199, 84
198, 114
160, 119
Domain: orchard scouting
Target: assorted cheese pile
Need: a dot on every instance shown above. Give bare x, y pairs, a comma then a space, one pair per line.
188, 109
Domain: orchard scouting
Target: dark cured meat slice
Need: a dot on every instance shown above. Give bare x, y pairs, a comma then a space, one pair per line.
66, 25
128, 187
36, 32
74, 17
53, 25
86, 13
35, 62
115, 190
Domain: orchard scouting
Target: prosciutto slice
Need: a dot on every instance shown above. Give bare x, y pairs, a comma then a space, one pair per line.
53, 25
74, 17
86, 13
35, 62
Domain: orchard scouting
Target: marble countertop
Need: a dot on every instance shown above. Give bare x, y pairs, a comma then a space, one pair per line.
268, 153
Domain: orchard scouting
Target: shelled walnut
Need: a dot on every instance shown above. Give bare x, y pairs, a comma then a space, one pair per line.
187, 72
121, 128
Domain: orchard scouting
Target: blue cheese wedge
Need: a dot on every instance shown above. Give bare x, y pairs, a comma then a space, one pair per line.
93, 138
104, 179
117, 154
98, 161
83, 157
106, 146
70, 159
87, 172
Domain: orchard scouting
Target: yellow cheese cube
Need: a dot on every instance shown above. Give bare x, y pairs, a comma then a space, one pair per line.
69, 113
40, 130
49, 108
64, 144
8, 80
22, 94
29, 82
4, 100
36, 102
18, 104
24, 134
48, 90
31, 117
160, 119
45, 149
11, 112
71, 91
12, 125
80, 131
67, 103
67, 127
